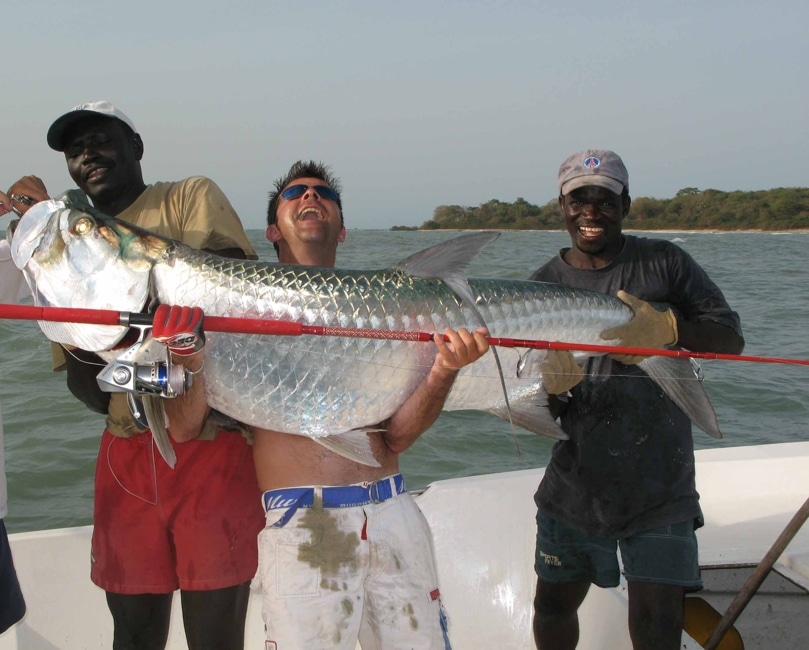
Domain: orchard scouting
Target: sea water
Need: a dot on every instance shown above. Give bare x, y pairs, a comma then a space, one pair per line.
52, 440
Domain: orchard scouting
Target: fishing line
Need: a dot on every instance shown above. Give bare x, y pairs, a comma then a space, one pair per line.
153, 468
76, 357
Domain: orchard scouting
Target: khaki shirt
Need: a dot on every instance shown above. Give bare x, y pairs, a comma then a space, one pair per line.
196, 212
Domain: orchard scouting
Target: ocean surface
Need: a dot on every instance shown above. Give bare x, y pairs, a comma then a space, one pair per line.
51, 440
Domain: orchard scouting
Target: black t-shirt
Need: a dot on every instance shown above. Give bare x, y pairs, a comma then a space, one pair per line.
629, 463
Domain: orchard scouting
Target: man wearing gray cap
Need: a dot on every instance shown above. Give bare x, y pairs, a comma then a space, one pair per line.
158, 529
625, 478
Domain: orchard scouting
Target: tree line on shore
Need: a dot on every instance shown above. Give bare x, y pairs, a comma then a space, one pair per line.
783, 208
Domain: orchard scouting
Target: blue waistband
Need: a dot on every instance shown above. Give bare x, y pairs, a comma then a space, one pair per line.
341, 496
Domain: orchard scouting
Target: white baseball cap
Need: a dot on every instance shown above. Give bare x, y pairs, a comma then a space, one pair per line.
104, 108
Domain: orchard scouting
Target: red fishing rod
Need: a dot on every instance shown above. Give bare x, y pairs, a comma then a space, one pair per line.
237, 325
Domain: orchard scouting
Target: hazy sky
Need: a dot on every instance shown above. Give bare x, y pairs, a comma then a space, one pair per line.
419, 104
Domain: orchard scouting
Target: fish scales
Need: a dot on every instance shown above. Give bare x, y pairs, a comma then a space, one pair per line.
325, 385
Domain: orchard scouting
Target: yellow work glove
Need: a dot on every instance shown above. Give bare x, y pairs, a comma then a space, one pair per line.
560, 372
649, 328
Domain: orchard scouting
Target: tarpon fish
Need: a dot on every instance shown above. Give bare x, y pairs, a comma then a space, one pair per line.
328, 388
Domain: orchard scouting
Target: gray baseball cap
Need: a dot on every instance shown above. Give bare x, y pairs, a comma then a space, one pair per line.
102, 108
600, 167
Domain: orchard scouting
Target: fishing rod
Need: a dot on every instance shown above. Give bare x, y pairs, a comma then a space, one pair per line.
237, 325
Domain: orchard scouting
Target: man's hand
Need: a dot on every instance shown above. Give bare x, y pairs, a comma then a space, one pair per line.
179, 328
648, 329
26, 192
560, 372
424, 405
5, 204
463, 348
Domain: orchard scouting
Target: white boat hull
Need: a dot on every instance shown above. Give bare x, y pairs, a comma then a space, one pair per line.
484, 536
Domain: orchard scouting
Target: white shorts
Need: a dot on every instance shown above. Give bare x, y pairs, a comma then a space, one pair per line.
333, 575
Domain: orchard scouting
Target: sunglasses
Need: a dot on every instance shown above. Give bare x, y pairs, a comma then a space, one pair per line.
297, 191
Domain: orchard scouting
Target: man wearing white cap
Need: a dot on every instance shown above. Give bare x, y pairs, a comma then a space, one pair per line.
625, 478
158, 529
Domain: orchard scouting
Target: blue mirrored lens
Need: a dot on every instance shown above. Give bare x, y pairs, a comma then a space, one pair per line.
296, 191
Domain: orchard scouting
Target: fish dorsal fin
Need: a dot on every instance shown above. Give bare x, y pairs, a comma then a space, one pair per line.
448, 261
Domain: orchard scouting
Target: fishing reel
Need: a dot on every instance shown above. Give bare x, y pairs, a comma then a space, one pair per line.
161, 378
145, 368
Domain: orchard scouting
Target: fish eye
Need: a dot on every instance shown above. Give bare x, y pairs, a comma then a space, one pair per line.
82, 226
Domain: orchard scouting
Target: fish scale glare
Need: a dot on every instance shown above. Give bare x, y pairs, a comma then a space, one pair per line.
320, 386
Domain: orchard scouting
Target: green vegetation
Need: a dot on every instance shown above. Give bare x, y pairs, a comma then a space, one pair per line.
783, 208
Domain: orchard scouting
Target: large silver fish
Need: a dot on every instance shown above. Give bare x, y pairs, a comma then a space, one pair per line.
328, 388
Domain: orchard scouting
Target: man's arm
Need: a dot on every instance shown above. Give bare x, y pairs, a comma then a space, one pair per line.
652, 328
422, 408
30, 187
180, 330
232, 253
187, 413
709, 336
209, 221
82, 369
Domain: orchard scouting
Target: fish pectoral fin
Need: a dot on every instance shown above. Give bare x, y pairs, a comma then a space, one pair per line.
531, 415
158, 423
354, 445
677, 379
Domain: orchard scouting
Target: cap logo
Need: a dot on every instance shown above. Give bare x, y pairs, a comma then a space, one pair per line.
591, 162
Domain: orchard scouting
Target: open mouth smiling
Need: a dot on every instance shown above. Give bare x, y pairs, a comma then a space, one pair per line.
590, 231
94, 173
310, 213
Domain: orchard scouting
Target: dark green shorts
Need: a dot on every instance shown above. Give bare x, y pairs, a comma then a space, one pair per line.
665, 555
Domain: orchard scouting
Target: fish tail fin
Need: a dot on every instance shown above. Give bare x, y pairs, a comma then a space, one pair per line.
677, 379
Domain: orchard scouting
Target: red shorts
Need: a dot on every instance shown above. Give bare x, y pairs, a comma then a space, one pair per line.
157, 529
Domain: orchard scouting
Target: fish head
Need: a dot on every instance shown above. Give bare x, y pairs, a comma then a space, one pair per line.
75, 257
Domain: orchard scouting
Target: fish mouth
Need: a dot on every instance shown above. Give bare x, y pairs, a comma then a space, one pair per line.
27, 233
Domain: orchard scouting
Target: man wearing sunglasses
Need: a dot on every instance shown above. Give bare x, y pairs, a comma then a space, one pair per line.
380, 584
158, 529
305, 216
